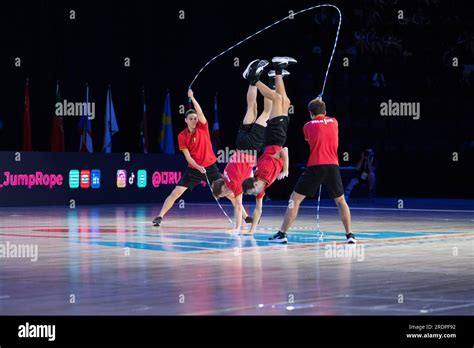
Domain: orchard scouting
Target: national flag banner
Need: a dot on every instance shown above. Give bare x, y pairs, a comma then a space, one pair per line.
216, 141
27, 142
144, 126
111, 126
166, 135
57, 131
85, 127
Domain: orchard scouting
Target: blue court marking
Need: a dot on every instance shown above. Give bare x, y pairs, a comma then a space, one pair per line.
196, 241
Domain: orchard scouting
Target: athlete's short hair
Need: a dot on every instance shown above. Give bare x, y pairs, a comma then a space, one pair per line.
190, 111
217, 187
247, 184
317, 107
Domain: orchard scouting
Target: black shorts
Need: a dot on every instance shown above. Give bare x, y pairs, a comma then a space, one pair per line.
277, 128
327, 174
250, 137
193, 177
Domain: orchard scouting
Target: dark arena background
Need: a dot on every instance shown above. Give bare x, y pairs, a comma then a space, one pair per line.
93, 97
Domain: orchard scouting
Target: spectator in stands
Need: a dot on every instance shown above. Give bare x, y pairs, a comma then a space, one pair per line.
365, 173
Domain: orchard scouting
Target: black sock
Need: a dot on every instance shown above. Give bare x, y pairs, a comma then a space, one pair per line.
271, 82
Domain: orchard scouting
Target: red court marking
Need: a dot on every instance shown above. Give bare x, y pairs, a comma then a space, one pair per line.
197, 227
111, 229
63, 229
38, 236
27, 226
83, 230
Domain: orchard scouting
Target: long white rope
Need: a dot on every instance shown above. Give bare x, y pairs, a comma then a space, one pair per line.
291, 16
220, 206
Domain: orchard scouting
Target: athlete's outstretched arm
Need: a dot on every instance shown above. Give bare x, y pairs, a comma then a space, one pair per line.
238, 207
192, 162
257, 213
283, 154
197, 107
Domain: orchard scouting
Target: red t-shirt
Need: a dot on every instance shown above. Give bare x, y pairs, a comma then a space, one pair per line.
268, 167
199, 145
237, 170
321, 134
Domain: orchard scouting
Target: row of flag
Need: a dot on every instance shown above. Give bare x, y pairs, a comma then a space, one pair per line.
165, 139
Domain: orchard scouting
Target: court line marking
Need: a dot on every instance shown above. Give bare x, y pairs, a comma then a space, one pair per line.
320, 245
164, 244
38, 236
411, 299
454, 235
306, 238
300, 230
268, 247
442, 309
99, 243
287, 247
314, 245
282, 309
314, 303
357, 208
51, 229
223, 310
179, 257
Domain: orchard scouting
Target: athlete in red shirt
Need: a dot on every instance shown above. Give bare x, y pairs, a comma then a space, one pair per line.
250, 140
274, 162
195, 143
321, 133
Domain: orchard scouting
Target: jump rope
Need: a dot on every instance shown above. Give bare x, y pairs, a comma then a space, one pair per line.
291, 16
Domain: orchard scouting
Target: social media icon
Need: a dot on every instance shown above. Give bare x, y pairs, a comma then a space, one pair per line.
85, 178
73, 178
95, 178
131, 179
141, 180
121, 178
